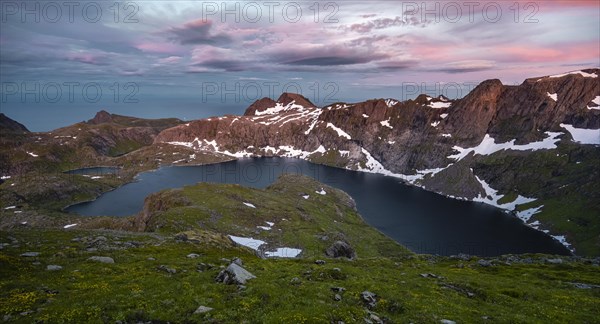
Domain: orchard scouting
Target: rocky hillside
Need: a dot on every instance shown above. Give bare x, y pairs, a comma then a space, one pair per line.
88, 143
9, 126
451, 147
32, 165
217, 253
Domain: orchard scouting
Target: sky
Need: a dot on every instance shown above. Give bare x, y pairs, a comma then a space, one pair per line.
155, 57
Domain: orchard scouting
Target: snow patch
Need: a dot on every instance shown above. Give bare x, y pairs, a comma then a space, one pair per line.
284, 252
446, 135
525, 215
492, 197
247, 242
4, 177
315, 117
435, 124
386, 123
249, 205
443, 116
391, 102
553, 96
70, 225
597, 102
340, 132
584, 74
306, 196
278, 108
562, 240
266, 228
10, 207
290, 151
365, 115
321, 192
583, 135
32, 154
488, 146
440, 104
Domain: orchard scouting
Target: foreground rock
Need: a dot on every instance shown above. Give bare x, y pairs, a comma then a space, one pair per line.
368, 298
234, 275
340, 249
102, 259
203, 309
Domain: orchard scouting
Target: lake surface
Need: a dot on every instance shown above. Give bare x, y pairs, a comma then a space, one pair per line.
423, 221
95, 171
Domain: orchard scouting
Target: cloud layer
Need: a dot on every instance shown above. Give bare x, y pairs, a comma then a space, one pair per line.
377, 42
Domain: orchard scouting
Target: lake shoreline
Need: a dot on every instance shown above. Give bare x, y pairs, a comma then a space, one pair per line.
376, 223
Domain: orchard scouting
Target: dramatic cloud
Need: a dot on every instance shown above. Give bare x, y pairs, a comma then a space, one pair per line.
468, 66
198, 32
375, 43
383, 23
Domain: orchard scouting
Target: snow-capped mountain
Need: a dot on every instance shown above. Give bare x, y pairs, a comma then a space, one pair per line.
490, 146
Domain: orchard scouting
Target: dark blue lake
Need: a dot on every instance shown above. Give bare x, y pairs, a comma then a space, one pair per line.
95, 171
423, 221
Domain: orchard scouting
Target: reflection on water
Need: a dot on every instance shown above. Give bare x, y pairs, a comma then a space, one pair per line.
421, 220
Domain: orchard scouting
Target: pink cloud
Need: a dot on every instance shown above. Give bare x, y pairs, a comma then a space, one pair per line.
87, 58
254, 42
170, 59
159, 47
560, 52
199, 32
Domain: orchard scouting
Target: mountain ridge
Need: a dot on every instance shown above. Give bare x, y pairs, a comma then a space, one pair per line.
417, 140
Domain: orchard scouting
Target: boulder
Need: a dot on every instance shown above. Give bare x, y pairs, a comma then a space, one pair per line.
167, 269
368, 298
340, 249
485, 263
202, 310
555, 261
234, 274
101, 259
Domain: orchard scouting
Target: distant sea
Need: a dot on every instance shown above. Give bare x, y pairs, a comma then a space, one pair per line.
45, 116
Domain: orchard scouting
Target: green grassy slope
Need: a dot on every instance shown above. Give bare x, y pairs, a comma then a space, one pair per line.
520, 289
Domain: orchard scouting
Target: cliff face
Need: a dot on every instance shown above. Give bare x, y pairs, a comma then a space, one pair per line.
383, 127
87, 143
499, 144
9, 126
403, 136
526, 111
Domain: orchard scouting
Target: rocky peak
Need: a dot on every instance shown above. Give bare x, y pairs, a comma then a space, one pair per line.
288, 97
403, 136
9, 126
259, 105
471, 116
422, 99
101, 117
587, 73
285, 99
